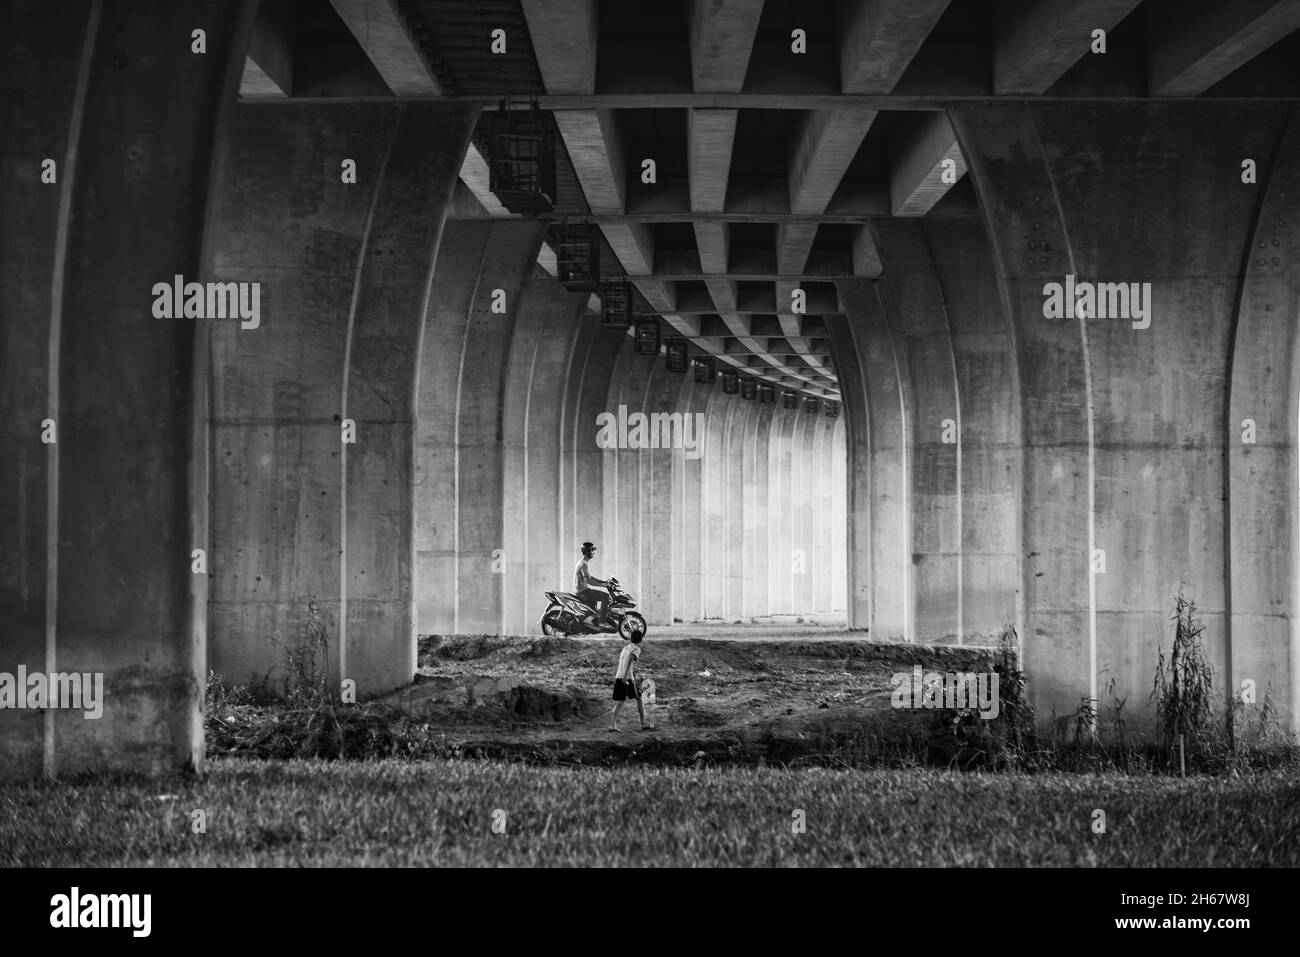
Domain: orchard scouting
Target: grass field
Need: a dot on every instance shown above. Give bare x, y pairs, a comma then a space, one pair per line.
395, 812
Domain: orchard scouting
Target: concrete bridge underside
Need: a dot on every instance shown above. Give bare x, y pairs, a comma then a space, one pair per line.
989, 467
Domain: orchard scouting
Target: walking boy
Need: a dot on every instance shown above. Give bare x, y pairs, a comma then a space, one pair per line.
625, 682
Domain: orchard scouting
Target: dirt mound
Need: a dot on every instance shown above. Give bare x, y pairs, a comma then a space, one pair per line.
531, 702
434, 648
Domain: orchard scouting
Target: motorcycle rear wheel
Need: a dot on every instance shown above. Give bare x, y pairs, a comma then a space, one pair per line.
553, 624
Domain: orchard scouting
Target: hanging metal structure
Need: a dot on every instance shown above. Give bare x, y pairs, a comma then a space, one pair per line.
616, 303
647, 336
577, 256
521, 159
748, 388
706, 370
730, 383
677, 360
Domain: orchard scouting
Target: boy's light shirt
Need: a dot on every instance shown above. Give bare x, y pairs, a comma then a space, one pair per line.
629, 653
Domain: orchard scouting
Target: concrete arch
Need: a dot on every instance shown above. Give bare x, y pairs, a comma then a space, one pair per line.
583, 478
96, 573
545, 330
1123, 427
869, 363
310, 532
461, 458
758, 432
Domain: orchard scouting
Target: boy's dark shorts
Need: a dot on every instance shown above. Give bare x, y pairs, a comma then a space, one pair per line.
625, 690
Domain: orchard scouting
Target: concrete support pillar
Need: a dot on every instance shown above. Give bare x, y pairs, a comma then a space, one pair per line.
839, 520
990, 426
690, 505
1132, 432
313, 534
587, 395
100, 518
460, 445
824, 479
919, 318
780, 504
1263, 522
713, 499
545, 326
802, 499
737, 413
658, 465
758, 432
869, 361
629, 390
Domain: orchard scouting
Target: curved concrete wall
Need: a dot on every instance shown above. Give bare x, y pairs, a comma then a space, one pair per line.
696, 536
312, 535
100, 523
1136, 476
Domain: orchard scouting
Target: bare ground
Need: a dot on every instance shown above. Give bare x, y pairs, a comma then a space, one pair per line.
733, 693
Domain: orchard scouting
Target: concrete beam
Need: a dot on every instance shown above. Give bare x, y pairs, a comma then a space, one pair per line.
825, 146
792, 328
866, 257
382, 32
711, 133
822, 151
596, 152
1038, 42
564, 37
713, 242
1197, 45
268, 69
880, 39
918, 179
722, 39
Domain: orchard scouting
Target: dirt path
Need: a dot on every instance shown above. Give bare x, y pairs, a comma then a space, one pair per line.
769, 692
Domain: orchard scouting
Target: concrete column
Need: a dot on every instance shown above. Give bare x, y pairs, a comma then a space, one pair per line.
545, 328
758, 434
780, 503
880, 567
95, 575
310, 531
802, 497
737, 430
658, 465
857, 512
1123, 428
839, 518
714, 502
460, 449
990, 426
588, 388
824, 485
690, 504
918, 314
1262, 630
628, 388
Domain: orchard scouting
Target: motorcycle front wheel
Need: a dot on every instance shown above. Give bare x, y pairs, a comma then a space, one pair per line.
631, 626
553, 624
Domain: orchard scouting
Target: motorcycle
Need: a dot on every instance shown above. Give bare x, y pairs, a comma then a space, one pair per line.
568, 615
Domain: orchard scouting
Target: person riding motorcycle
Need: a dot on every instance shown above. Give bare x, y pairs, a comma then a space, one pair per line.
589, 589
